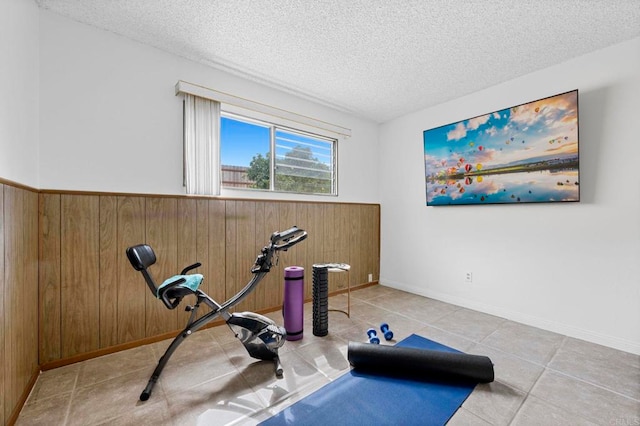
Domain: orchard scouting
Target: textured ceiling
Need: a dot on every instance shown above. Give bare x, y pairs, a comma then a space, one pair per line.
378, 59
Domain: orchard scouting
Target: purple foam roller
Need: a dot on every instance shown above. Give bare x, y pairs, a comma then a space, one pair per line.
293, 306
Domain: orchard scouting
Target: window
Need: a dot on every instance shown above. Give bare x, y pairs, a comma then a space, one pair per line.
254, 145
264, 156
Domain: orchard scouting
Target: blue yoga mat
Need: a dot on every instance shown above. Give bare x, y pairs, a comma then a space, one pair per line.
368, 399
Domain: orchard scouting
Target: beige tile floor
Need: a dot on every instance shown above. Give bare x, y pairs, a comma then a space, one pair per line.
542, 378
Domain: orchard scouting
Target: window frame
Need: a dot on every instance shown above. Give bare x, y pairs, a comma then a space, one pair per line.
275, 126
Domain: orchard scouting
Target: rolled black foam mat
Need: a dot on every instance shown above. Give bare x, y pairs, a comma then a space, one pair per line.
419, 363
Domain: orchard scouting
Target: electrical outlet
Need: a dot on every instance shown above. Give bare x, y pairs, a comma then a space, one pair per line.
468, 277
370, 277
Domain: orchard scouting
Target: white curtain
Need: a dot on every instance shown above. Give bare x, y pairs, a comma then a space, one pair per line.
201, 145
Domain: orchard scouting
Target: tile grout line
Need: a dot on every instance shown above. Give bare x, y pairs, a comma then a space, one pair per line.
528, 393
546, 401
71, 396
578, 379
562, 373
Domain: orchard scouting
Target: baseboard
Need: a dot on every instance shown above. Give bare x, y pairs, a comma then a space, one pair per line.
534, 321
117, 348
13, 417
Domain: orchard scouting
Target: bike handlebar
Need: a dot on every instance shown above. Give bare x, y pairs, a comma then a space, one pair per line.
278, 241
285, 239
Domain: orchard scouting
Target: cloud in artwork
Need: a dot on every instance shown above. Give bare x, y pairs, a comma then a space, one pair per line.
570, 148
432, 162
554, 112
459, 132
476, 122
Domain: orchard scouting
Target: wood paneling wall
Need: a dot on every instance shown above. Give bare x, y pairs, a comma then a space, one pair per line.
92, 299
67, 289
18, 297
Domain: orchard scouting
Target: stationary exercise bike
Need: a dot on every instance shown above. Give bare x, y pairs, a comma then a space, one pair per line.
260, 335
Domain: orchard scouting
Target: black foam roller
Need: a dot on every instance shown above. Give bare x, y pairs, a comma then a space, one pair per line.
320, 301
419, 363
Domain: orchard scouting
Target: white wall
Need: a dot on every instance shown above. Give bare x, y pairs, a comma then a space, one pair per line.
572, 268
110, 120
19, 91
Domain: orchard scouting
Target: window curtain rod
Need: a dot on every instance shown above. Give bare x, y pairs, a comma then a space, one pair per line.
225, 98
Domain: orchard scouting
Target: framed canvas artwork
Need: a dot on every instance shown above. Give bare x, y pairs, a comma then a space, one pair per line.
522, 154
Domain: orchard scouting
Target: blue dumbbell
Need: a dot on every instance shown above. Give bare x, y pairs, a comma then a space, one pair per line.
388, 334
373, 336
